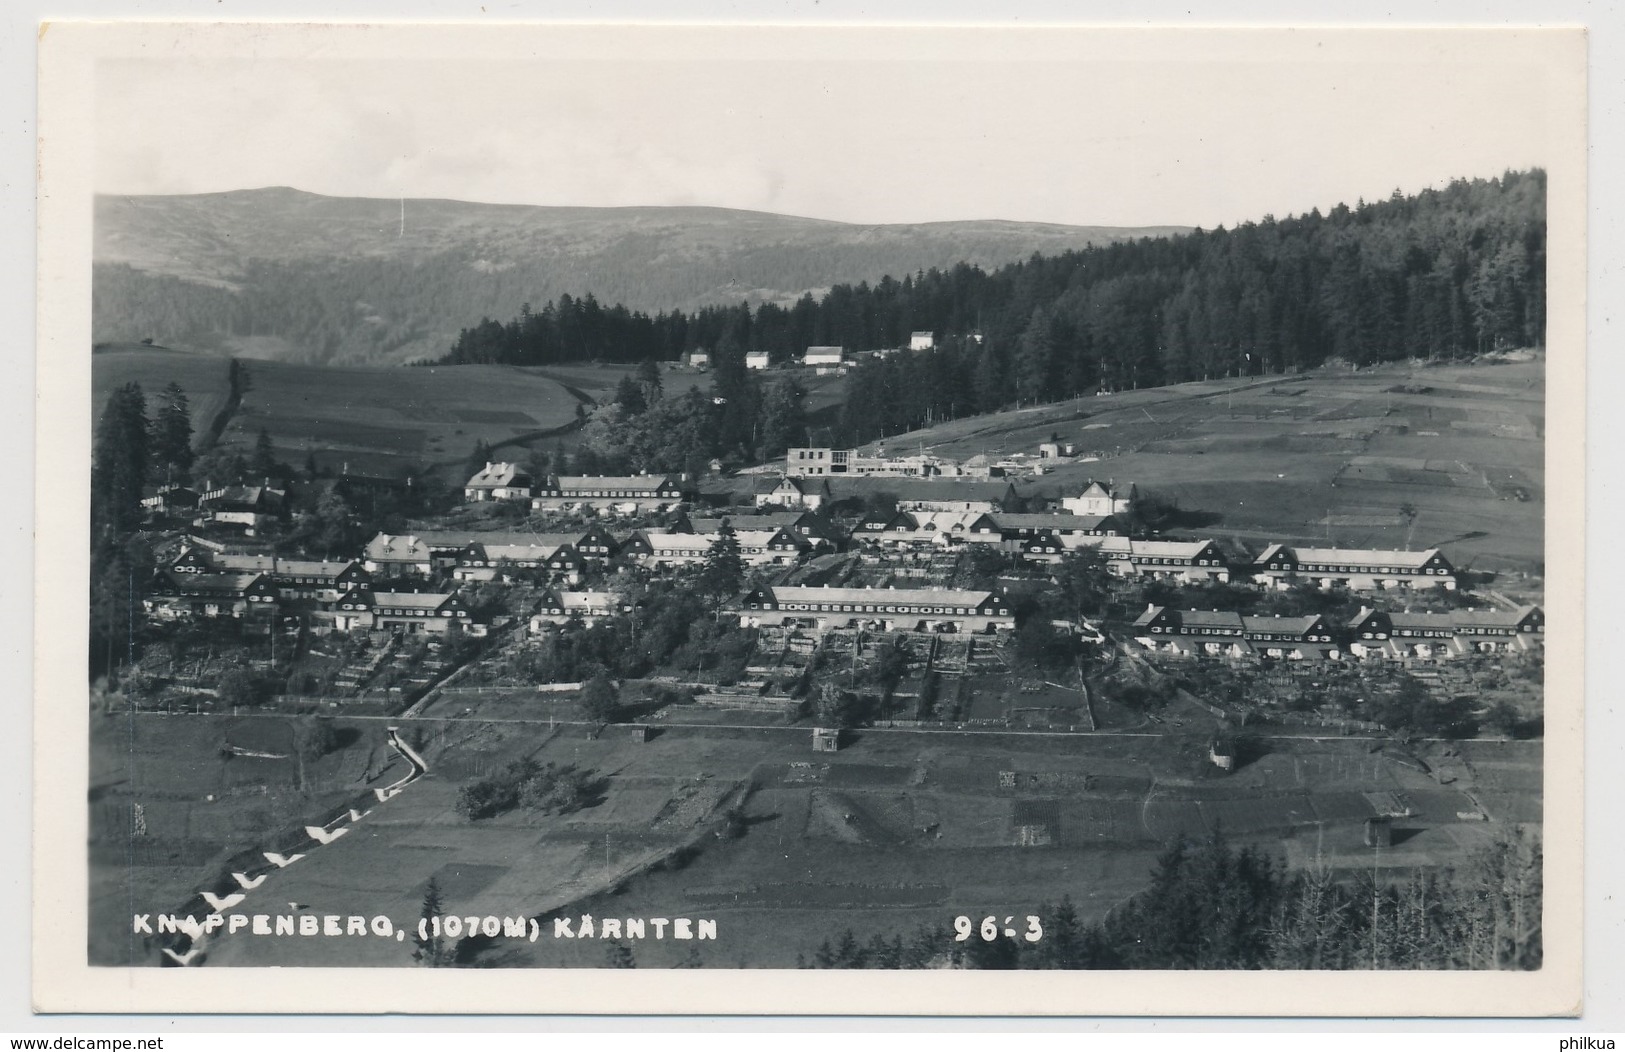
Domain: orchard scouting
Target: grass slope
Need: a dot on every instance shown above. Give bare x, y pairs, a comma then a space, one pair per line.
1331, 456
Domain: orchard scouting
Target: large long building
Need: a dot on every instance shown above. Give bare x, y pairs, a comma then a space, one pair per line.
617, 493
1397, 635
881, 609
1359, 569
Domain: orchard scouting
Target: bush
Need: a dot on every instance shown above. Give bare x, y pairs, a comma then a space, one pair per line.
548, 788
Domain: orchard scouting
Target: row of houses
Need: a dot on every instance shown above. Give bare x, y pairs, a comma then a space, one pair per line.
249, 507
623, 494
881, 609
1371, 633
915, 489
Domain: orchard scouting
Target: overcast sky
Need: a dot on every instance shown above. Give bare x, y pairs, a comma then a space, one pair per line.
1111, 131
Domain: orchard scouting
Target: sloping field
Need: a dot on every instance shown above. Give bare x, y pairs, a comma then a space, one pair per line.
388, 419
203, 377
1329, 457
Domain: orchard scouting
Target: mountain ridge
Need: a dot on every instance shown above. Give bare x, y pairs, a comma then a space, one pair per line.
210, 269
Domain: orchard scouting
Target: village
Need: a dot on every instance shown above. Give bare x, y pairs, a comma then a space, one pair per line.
833, 542
919, 655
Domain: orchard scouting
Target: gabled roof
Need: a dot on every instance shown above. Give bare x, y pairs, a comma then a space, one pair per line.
241, 562
766, 521
498, 474
567, 484
1223, 619
1259, 623
1362, 557
887, 596
413, 600
225, 584
1044, 521
1493, 617
311, 567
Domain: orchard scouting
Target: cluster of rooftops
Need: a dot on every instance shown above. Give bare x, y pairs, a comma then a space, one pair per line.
1371, 632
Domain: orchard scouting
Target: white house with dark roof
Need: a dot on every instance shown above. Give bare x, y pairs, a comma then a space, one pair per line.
781, 546
791, 492
175, 597
880, 609
1225, 633
1193, 562
559, 606
498, 480
251, 507
922, 341
507, 559
1100, 500
414, 613
1404, 635
1358, 569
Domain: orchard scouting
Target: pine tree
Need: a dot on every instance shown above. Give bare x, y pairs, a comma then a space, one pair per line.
172, 433
119, 462
724, 569
629, 396
649, 378
431, 948
263, 463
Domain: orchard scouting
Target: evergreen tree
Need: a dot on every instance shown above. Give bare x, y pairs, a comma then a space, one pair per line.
477, 459
629, 396
431, 951
724, 571
172, 434
649, 379
119, 462
263, 463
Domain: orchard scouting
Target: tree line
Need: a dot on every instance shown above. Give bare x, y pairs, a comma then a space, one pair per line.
1216, 906
1446, 273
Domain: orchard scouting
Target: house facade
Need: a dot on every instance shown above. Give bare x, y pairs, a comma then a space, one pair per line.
1100, 500
793, 492
922, 341
625, 494
498, 480
825, 356
553, 556
1193, 562
409, 613
756, 360
559, 607
1222, 633
250, 508
180, 597
1441, 636
660, 551
1358, 569
880, 609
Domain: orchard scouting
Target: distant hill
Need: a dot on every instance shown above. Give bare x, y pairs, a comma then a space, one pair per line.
280, 273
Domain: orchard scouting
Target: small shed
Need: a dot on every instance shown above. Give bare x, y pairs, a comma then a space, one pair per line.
1379, 831
1222, 751
640, 732
826, 739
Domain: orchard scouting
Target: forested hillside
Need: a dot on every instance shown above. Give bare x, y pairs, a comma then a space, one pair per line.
286, 274
1442, 274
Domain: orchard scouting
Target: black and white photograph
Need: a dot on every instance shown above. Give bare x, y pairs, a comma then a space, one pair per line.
556, 500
